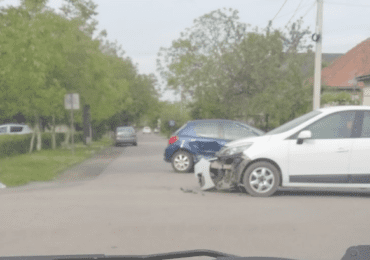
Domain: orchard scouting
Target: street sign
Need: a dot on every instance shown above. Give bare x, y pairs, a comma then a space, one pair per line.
172, 123
72, 101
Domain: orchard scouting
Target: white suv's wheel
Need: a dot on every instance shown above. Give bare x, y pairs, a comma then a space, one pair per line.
182, 161
261, 179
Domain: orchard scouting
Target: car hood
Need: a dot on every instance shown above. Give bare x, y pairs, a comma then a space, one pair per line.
259, 139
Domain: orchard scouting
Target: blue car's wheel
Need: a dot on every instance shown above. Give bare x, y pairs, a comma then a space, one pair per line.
182, 161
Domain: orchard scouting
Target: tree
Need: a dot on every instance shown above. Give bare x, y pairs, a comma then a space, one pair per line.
172, 112
291, 96
46, 55
82, 11
231, 73
185, 64
26, 53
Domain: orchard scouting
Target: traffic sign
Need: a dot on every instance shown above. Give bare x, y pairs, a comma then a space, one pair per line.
72, 101
172, 123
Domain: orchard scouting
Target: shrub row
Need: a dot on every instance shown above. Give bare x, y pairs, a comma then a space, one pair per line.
11, 145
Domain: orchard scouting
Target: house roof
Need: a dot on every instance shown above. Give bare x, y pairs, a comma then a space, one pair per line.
344, 70
309, 65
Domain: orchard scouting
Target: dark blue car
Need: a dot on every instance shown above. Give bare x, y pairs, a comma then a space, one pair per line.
203, 138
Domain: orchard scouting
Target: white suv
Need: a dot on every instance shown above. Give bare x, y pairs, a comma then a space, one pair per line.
15, 129
328, 147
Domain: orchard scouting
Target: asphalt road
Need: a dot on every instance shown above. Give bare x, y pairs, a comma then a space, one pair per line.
129, 201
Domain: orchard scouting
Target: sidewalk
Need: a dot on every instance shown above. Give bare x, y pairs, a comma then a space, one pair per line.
87, 170
90, 168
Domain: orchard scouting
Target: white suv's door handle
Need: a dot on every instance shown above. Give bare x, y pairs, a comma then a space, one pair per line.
342, 150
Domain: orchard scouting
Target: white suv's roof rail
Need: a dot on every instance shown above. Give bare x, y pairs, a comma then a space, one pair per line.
340, 108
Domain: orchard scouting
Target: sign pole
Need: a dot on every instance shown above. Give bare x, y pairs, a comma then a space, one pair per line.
70, 104
73, 148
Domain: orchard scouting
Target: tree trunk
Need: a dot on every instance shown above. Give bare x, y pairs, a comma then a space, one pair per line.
38, 144
53, 138
32, 141
66, 138
34, 132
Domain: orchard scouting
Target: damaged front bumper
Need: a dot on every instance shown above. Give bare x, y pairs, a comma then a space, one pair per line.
221, 173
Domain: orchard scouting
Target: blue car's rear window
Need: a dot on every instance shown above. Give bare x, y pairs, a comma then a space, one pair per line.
186, 129
223, 129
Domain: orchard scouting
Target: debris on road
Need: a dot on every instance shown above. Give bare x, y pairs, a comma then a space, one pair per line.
188, 191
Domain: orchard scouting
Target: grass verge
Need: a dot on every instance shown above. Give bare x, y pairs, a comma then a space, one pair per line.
46, 164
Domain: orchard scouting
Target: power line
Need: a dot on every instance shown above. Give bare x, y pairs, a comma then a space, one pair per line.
304, 6
294, 12
309, 9
279, 10
333, 3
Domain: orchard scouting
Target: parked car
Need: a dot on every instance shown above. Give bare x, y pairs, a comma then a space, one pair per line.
156, 130
147, 130
125, 135
328, 148
203, 138
15, 129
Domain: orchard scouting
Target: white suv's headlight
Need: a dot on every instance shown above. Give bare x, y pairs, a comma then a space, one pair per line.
228, 151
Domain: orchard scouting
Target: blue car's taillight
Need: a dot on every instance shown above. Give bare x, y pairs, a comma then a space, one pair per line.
173, 139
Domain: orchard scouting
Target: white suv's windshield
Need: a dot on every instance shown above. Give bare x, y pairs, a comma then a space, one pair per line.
295, 122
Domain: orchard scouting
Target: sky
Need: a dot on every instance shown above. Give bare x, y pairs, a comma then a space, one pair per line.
141, 27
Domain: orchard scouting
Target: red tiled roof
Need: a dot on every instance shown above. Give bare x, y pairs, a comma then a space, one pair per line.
346, 68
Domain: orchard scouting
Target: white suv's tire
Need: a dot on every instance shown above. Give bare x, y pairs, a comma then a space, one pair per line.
261, 179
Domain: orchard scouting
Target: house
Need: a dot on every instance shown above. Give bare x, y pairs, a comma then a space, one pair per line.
365, 80
351, 73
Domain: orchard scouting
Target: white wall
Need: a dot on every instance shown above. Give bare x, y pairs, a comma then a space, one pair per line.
366, 95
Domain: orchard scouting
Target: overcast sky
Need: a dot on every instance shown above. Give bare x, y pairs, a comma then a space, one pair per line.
143, 26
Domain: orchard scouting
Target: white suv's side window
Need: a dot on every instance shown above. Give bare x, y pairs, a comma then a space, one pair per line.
16, 129
3, 130
365, 132
335, 126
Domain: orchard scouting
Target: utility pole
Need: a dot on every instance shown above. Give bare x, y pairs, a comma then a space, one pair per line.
318, 40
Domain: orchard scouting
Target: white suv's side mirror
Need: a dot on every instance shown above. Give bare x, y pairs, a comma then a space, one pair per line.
306, 134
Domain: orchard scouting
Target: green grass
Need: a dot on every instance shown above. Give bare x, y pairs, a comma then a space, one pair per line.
45, 165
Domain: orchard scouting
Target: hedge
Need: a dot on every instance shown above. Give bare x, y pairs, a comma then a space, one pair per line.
11, 145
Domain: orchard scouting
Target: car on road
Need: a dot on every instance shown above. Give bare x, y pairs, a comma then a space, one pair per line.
203, 138
156, 130
326, 148
125, 135
15, 129
147, 130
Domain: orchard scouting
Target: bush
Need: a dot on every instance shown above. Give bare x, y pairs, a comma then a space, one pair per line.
78, 137
11, 145
47, 140
98, 132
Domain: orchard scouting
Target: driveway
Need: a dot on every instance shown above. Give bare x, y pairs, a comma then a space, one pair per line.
136, 204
